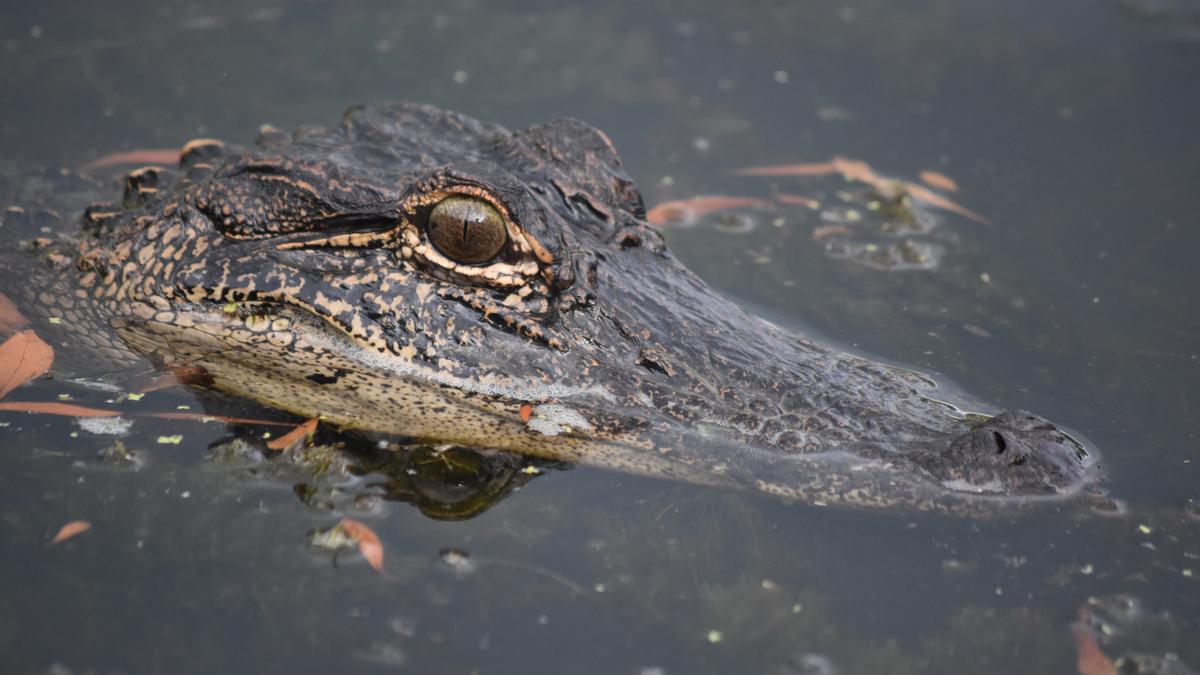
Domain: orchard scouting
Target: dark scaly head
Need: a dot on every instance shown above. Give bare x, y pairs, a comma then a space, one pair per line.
414, 271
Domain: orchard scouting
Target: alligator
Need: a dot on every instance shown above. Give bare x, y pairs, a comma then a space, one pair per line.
415, 272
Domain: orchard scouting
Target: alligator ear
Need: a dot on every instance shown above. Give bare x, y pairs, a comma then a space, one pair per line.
585, 156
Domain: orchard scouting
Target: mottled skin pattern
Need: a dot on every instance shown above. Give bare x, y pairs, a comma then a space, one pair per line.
299, 274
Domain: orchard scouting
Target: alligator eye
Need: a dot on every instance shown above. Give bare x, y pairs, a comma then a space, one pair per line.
467, 230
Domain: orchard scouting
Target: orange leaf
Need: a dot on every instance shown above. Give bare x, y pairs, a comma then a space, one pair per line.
201, 417
526, 412
55, 408
23, 357
858, 170
1091, 660
939, 180
824, 231
933, 199
798, 200
368, 542
70, 530
816, 169
688, 210
11, 319
149, 156
294, 436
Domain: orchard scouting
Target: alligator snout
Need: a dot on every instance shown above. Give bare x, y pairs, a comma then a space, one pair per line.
1015, 453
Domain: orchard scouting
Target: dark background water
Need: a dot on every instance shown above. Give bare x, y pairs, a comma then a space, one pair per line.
1071, 125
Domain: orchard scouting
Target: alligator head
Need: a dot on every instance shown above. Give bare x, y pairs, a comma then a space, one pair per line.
416, 272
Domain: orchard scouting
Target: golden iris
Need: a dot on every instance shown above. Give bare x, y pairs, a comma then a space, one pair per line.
467, 230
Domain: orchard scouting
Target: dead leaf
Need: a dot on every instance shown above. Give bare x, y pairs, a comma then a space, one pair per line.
297, 435
71, 529
687, 211
147, 156
798, 200
824, 231
54, 408
939, 180
11, 319
526, 412
23, 357
933, 199
858, 170
816, 169
201, 417
1091, 660
368, 542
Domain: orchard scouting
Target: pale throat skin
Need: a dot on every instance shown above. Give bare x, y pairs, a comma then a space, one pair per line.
305, 274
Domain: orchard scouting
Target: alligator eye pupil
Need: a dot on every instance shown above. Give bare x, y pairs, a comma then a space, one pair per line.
467, 229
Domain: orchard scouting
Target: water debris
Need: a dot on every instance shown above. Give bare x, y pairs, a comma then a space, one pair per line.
11, 319
939, 180
860, 171
368, 542
105, 426
144, 156
23, 357
71, 529
457, 560
798, 200
294, 437
687, 211
171, 440
526, 412
349, 532
826, 231
202, 417
55, 408
1090, 660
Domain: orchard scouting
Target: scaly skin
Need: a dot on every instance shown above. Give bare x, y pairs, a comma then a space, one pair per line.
301, 275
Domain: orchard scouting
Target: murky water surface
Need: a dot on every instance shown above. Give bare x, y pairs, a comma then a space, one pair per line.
1071, 126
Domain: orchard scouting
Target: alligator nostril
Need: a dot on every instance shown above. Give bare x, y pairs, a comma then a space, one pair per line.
1001, 444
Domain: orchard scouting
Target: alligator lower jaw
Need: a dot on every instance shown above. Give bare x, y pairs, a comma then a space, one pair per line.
258, 358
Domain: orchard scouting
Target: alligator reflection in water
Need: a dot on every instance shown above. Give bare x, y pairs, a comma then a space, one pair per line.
413, 271
443, 482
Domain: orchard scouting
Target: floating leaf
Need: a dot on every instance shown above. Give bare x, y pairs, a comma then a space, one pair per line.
23, 357
526, 412
817, 169
297, 435
933, 199
826, 231
858, 170
70, 410
687, 211
1090, 661
55, 408
797, 200
146, 156
70, 530
11, 319
939, 180
201, 417
368, 542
